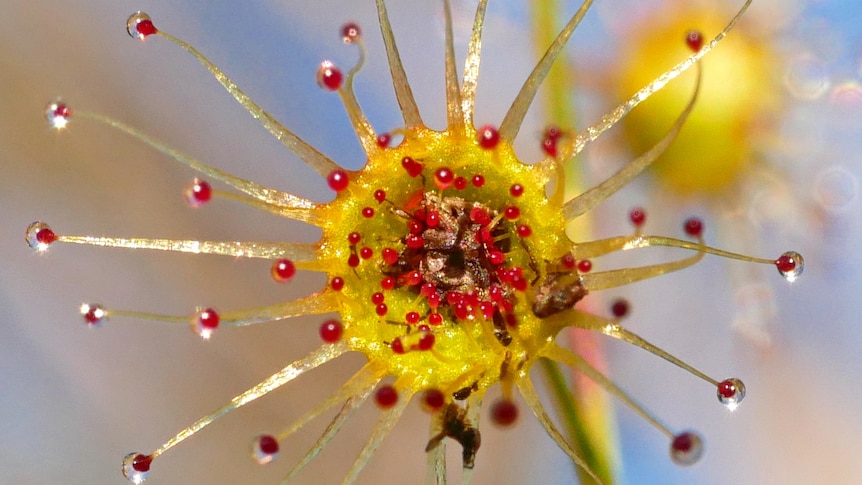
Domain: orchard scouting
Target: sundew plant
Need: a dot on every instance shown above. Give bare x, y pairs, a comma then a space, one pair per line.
447, 262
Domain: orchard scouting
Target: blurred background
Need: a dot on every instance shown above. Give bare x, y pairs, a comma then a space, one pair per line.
74, 401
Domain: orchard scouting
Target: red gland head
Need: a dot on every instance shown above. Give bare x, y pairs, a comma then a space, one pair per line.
283, 270
693, 226
329, 77
337, 180
350, 33
694, 40
516, 190
413, 167
620, 308
637, 216
330, 331
433, 400
383, 140
504, 412
489, 137
386, 397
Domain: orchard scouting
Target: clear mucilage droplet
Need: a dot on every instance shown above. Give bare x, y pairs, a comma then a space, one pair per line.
264, 449
790, 265
730, 392
39, 236
686, 448
136, 467
57, 114
205, 322
94, 315
140, 25
197, 193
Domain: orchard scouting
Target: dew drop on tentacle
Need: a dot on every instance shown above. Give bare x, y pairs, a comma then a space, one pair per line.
264, 449
197, 193
136, 467
140, 26
686, 448
39, 236
730, 392
58, 114
205, 322
94, 315
790, 265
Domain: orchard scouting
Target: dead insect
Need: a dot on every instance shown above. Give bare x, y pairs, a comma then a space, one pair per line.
558, 292
464, 393
455, 426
